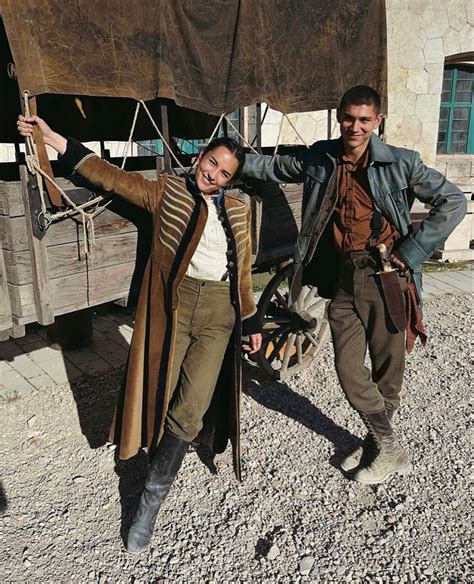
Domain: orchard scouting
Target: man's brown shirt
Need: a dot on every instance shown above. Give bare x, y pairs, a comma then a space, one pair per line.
353, 215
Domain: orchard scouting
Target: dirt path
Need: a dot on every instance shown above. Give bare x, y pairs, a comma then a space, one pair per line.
64, 498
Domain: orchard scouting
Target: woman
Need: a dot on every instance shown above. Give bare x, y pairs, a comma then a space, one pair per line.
183, 374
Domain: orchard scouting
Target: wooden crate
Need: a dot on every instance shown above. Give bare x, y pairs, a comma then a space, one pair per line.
69, 279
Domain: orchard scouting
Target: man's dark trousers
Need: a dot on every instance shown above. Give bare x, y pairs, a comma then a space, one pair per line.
358, 320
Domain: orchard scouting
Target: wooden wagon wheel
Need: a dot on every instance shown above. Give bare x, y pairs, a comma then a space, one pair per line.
293, 335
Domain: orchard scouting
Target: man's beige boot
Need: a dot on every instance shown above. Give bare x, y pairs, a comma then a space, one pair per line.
391, 459
364, 454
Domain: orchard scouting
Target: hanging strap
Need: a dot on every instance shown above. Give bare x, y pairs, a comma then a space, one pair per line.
376, 226
41, 152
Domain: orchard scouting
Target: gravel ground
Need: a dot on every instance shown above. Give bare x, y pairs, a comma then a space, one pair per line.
295, 518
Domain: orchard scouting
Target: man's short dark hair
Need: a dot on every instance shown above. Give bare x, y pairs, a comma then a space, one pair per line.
234, 148
361, 95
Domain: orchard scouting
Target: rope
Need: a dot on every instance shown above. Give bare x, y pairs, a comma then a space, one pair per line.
161, 136
87, 218
33, 165
211, 138
122, 166
240, 136
216, 128
296, 131
130, 136
278, 137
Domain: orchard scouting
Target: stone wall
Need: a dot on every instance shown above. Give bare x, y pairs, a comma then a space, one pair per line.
421, 35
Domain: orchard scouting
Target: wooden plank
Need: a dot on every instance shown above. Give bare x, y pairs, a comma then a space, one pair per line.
39, 260
258, 123
117, 250
14, 235
110, 281
281, 217
21, 321
64, 291
18, 267
22, 301
11, 203
74, 292
18, 331
68, 258
6, 322
4, 334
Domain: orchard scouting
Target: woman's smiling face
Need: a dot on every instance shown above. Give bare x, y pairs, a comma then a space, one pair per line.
215, 169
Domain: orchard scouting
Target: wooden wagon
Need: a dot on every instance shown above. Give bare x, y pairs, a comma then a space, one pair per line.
44, 270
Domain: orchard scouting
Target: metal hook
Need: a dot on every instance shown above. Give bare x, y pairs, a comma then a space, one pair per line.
43, 221
11, 71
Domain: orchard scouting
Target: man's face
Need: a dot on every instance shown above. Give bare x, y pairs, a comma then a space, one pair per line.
357, 123
215, 169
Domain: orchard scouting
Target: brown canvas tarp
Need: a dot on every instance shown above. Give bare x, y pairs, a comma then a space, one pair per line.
97, 118
212, 56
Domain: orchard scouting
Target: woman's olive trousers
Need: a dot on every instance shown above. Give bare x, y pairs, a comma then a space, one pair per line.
206, 319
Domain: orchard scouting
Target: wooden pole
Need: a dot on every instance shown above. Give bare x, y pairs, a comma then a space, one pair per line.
160, 166
166, 133
258, 123
329, 130
242, 125
6, 322
38, 254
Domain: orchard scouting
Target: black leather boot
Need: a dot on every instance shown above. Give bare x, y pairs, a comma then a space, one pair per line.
163, 470
391, 458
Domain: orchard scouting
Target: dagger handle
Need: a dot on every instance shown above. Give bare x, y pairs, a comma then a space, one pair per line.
386, 266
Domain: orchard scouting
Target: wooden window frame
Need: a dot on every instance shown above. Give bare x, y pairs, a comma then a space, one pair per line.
450, 106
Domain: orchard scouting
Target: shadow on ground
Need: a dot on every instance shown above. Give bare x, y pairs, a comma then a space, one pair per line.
279, 397
3, 500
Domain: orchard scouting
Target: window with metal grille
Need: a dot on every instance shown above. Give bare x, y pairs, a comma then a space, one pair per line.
456, 123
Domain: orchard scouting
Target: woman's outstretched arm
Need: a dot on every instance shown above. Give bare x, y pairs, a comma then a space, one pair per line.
130, 185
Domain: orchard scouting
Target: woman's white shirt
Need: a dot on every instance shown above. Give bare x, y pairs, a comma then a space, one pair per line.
209, 261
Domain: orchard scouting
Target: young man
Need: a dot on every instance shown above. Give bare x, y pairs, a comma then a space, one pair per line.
183, 375
358, 193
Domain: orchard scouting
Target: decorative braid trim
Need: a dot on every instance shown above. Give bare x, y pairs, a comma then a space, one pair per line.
86, 157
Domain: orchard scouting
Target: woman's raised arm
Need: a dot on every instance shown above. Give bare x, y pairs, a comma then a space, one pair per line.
130, 185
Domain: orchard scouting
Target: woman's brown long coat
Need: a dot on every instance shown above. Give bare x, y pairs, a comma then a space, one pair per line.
179, 218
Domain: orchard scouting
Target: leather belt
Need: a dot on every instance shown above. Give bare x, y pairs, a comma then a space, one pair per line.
358, 261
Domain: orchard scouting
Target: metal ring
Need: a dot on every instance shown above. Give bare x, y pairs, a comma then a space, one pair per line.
43, 221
